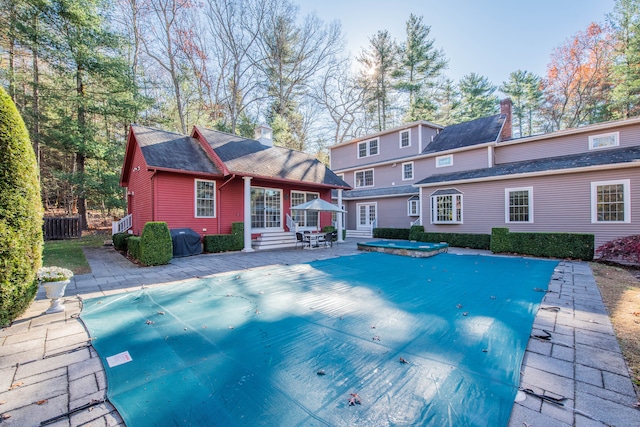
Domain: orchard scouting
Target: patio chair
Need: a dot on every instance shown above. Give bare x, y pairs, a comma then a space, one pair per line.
327, 239
303, 240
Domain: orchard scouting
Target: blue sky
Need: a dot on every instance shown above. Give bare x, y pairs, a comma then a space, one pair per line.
489, 37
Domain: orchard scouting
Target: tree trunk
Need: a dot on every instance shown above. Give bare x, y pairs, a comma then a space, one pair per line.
80, 153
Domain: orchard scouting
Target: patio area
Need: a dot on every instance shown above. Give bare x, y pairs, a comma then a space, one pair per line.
48, 366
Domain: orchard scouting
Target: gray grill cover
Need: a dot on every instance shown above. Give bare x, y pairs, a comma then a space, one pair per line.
185, 242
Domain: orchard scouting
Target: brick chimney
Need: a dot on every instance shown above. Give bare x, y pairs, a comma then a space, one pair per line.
505, 110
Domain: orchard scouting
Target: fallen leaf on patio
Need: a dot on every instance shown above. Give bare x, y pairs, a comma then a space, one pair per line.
5, 416
41, 402
403, 360
321, 372
636, 313
161, 313
354, 399
376, 338
149, 322
16, 385
2, 402
459, 306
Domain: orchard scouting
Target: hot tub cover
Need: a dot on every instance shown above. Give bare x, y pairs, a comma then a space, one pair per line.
185, 242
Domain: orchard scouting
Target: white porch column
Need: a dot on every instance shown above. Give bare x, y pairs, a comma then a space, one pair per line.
339, 217
247, 214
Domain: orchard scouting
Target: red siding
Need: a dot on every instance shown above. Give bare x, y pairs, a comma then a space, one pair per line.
139, 192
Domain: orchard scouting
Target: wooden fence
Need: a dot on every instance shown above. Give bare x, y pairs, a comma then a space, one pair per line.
61, 228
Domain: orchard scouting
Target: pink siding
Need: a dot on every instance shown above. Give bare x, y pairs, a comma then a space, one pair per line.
562, 145
562, 203
346, 156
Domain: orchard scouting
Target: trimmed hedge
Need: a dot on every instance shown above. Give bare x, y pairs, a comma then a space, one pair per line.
154, 247
215, 243
415, 231
20, 214
133, 247
458, 240
555, 245
120, 241
391, 233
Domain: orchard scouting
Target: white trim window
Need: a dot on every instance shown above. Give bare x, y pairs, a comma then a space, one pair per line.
611, 201
604, 140
444, 161
413, 206
364, 178
205, 198
407, 171
405, 138
368, 148
446, 207
518, 204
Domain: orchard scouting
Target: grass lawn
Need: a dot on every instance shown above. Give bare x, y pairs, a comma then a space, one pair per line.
68, 253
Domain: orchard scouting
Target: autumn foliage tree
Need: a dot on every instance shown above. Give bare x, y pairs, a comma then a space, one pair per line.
577, 87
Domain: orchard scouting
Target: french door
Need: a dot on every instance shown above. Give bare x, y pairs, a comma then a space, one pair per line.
266, 208
366, 215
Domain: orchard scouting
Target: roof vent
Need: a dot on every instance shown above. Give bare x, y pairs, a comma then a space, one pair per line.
264, 134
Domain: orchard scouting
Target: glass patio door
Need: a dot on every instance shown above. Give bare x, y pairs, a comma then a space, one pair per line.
366, 215
305, 219
266, 208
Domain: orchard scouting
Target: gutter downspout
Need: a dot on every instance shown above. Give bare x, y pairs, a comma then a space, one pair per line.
220, 198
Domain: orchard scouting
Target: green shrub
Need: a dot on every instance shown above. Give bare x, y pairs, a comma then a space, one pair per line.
391, 233
556, 245
415, 231
458, 240
20, 214
328, 229
133, 247
500, 240
120, 241
215, 243
156, 247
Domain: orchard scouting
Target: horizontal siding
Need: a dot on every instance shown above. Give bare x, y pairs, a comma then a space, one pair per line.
563, 145
562, 203
139, 198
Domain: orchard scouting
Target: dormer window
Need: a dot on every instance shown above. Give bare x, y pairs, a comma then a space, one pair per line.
444, 161
368, 148
604, 140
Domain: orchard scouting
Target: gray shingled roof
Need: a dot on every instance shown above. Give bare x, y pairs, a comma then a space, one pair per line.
595, 158
479, 131
400, 190
249, 157
168, 150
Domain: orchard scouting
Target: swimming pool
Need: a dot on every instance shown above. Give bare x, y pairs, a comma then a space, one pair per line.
420, 341
404, 248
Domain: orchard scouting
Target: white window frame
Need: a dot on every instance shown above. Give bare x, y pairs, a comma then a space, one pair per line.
458, 213
626, 183
413, 206
404, 178
363, 171
444, 161
593, 140
507, 205
367, 147
408, 132
195, 198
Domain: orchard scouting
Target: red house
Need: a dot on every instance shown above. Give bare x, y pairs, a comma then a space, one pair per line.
211, 179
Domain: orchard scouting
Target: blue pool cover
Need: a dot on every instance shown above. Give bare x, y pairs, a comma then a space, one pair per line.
324, 343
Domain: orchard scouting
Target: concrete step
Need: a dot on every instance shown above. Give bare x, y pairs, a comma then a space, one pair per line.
359, 233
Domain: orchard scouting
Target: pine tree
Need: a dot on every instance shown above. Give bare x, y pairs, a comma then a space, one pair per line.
477, 98
523, 88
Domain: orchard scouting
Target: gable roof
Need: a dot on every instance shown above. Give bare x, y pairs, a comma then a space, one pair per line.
619, 156
248, 157
478, 131
168, 150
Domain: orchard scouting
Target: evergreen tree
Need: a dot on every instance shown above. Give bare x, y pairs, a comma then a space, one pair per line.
625, 22
523, 88
20, 214
420, 64
477, 98
379, 62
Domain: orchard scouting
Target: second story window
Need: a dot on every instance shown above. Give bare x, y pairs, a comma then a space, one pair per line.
405, 138
443, 161
368, 148
364, 178
604, 140
407, 171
